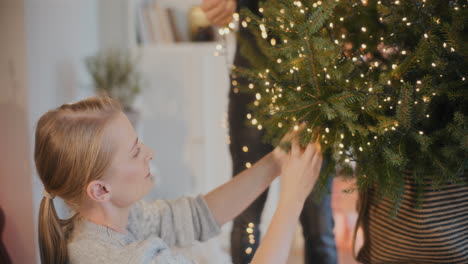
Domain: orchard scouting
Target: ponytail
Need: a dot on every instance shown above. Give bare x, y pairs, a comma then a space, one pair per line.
52, 234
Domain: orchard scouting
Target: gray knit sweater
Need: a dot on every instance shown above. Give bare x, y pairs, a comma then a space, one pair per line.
153, 227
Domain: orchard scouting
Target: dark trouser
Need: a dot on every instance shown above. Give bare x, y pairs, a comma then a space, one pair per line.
316, 217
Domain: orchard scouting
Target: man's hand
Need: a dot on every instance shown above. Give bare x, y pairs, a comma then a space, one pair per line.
219, 12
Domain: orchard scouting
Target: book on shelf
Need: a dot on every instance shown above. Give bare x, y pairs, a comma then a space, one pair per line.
156, 24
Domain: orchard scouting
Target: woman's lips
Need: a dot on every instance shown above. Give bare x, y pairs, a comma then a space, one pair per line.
149, 175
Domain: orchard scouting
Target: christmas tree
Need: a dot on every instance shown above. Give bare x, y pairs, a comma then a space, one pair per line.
380, 84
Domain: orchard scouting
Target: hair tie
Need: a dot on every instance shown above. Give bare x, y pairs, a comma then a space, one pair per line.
48, 195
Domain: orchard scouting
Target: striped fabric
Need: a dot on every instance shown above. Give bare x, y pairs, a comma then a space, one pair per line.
437, 232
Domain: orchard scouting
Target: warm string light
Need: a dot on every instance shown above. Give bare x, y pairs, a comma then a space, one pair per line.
372, 65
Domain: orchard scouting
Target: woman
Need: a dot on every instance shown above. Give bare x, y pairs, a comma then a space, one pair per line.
87, 153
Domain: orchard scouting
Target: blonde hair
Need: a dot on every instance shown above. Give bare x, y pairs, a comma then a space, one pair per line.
70, 152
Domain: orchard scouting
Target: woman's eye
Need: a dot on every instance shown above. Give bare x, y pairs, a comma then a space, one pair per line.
136, 154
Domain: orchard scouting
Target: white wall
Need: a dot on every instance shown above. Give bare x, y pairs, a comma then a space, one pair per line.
15, 170
42, 47
59, 35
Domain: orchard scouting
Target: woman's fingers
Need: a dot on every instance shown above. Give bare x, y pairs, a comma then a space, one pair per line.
295, 147
310, 151
315, 165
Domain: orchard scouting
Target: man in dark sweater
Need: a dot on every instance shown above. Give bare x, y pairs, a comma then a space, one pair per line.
246, 148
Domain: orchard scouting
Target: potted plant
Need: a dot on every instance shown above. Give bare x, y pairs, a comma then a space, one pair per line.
114, 72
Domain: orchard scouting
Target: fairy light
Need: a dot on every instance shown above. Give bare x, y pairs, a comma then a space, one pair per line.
248, 251
245, 149
273, 41
251, 85
248, 165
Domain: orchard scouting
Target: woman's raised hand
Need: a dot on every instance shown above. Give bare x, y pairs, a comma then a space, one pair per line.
300, 172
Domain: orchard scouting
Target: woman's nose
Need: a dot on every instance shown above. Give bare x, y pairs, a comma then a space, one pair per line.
150, 153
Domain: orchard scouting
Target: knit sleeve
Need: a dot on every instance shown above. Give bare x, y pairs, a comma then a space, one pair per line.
178, 222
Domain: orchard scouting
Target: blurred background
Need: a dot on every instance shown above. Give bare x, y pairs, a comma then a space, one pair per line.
57, 51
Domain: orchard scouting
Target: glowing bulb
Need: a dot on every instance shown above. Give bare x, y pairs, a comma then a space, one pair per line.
273, 41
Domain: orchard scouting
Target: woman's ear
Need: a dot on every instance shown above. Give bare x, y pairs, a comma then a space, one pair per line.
98, 191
